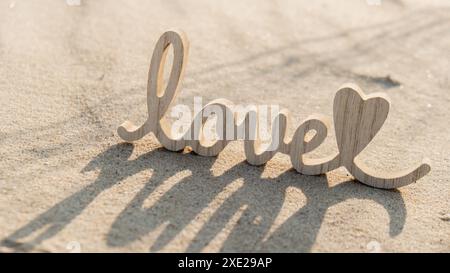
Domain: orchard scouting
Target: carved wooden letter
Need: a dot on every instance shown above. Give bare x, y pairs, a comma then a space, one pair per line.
357, 119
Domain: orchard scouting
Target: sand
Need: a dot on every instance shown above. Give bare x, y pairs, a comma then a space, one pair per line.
71, 74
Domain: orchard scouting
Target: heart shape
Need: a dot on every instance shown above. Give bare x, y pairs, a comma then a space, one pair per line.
357, 119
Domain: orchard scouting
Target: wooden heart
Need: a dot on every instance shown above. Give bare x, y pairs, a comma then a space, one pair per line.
357, 119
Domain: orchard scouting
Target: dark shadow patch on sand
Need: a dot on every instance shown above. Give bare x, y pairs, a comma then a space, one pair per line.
185, 200
385, 82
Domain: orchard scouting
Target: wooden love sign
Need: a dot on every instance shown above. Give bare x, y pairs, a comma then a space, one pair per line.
357, 119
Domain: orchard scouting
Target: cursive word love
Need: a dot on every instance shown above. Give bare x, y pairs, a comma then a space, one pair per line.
357, 119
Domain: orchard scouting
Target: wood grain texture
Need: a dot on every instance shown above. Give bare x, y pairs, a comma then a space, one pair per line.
357, 119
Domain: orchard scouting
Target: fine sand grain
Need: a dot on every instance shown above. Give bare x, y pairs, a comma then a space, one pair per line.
71, 74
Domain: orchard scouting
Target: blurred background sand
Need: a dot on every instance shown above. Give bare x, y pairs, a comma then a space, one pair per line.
71, 74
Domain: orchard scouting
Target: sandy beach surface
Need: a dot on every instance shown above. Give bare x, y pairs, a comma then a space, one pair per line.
70, 75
